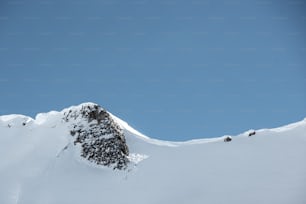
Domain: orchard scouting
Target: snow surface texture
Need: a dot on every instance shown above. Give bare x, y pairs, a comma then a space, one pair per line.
42, 163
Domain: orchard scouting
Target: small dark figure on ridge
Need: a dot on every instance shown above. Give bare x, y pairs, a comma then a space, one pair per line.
252, 133
228, 139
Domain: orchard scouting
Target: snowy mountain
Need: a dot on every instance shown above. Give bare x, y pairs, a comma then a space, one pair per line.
84, 154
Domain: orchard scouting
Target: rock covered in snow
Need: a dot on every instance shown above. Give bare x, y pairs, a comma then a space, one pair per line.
101, 139
228, 139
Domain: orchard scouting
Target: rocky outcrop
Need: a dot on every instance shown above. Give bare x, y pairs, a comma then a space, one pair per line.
228, 139
101, 140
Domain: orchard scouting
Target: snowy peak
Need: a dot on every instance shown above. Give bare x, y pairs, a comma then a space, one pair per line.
99, 138
54, 158
103, 139
90, 130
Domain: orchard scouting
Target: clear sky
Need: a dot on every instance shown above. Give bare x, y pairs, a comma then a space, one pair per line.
173, 69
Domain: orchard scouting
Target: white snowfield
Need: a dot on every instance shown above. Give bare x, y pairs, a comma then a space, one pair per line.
40, 165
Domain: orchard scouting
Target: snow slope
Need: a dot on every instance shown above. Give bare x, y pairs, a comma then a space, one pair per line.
39, 165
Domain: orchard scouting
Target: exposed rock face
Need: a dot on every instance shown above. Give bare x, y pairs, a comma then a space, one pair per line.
102, 140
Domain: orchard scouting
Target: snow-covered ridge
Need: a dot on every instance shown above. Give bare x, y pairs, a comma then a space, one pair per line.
53, 117
145, 138
40, 163
90, 130
41, 118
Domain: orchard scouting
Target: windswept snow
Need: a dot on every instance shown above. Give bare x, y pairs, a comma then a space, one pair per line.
136, 134
38, 164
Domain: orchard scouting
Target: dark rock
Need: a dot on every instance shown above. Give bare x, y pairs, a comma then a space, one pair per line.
228, 139
102, 140
252, 133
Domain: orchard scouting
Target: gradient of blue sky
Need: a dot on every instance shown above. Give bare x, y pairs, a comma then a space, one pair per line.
174, 70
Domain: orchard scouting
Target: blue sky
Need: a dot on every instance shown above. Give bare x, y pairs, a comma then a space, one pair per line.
174, 70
